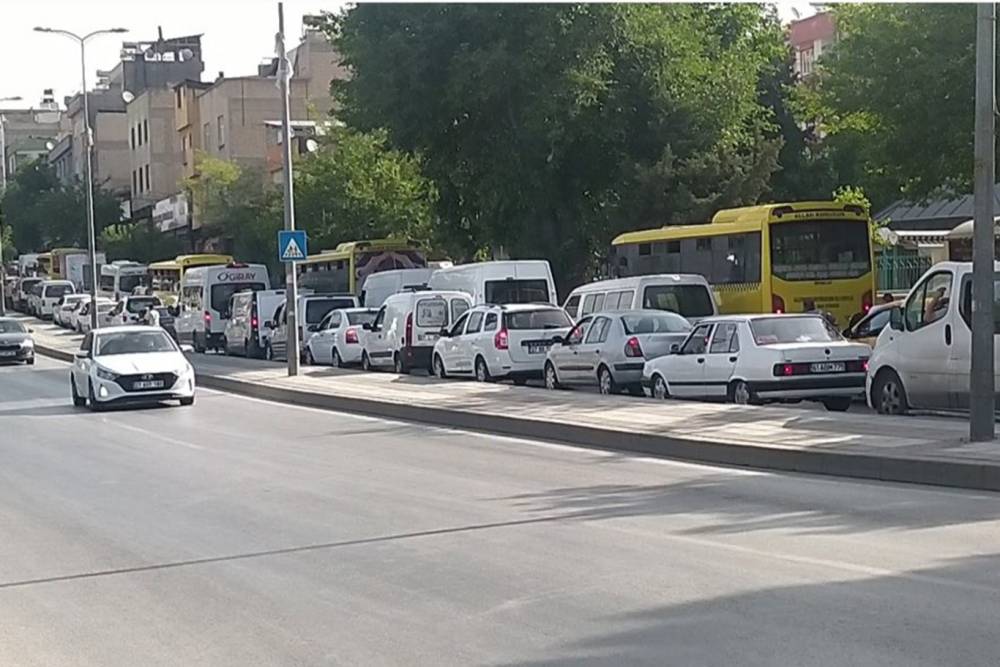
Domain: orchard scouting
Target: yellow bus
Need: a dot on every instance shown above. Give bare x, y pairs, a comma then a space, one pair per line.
344, 269
769, 258
165, 276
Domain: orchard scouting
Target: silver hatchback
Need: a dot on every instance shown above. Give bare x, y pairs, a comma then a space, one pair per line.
610, 348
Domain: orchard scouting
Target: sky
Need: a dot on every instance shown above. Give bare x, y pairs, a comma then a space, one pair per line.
237, 35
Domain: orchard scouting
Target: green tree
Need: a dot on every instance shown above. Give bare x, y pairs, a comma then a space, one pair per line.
138, 242
895, 98
550, 128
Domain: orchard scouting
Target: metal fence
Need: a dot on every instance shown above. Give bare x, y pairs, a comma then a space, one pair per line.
898, 273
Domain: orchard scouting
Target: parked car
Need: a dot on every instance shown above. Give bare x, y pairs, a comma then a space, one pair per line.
923, 358
105, 310
63, 314
81, 313
35, 298
50, 294
134, 364
23, 296
610, 348
16, 343
407, 326
512, 281
492, 342
337, 340
249, 310
206, 294
762, 358
687, 295
312, 309
867, 329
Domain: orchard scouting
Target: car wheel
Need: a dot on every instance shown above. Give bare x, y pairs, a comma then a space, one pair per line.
336, 359
741, 394
198, 347
660, 390
92, 399
78, 400
438, 367
605, 383
186, 402
366, 363
551, 379
250, 349
398, 365
309, 359
482, 371
269, 352
837, 404
889, 395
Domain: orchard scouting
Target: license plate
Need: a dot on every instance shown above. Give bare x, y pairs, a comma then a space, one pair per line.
148, 384
537, 349
7, 353
828, 367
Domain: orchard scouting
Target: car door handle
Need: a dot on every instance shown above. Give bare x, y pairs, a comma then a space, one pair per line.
732, 359
701, 360
947, 334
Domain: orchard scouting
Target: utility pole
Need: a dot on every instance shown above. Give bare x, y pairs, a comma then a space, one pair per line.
3, 189
291, 280
981, 383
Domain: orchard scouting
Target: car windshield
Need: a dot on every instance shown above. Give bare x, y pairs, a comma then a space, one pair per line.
316, 309
777, 330
686, 300
517, 291
549, 318
222, 293
137, 342
361, 318
11, 326
820, 249
659, 323
137, 305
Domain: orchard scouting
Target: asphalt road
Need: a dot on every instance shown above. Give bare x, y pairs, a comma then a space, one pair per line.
239, 532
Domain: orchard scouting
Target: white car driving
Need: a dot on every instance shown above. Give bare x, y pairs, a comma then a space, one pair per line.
762, 358
337, 340
129, 365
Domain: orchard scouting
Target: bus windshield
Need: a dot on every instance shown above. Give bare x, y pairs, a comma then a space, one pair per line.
820, 249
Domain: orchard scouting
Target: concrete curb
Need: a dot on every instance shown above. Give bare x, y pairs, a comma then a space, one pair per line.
956, 474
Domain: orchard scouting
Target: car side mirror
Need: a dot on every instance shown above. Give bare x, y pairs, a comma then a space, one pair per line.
187, 349
557, 340
368, 326
445, 332
31, 331
82, 354
270, 325
675, 348
896, 319
312, 327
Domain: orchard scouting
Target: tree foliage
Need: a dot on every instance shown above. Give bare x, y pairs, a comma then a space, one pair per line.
138, 242
550, 128
895, 95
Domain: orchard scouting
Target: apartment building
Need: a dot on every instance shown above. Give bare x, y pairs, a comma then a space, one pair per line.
155, 152
809, 38
26, 133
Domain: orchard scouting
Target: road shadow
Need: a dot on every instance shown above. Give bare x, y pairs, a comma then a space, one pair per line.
933, 617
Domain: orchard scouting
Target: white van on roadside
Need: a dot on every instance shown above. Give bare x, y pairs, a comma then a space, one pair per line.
687, 295
205, 297
404, 331
499, 283
380, 286
922, 359
51, 294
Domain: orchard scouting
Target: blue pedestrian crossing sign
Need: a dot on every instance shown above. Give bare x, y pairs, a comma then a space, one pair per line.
292, 246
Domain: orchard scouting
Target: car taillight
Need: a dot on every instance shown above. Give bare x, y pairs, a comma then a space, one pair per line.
787, 370
409, 330
866, 301
208, 318
351, 336
632, 347
253, 322
777, 304
500, 341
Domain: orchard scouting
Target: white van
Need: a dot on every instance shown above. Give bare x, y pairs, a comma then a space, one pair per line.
498, 283
405, 329
687, 295
923, 358
245, 332
204, 301
380, 286
52, 292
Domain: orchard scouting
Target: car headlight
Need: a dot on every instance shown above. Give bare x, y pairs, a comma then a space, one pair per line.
105, 374
27, 343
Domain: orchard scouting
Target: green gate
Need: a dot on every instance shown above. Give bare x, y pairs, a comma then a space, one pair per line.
898, 272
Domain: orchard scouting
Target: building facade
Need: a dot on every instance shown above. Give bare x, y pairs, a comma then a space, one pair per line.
28, 132
809, 38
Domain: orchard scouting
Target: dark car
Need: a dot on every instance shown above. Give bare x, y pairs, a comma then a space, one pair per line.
16, 343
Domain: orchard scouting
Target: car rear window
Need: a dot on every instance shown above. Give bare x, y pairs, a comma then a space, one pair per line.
432, 312
686, 300
517, 291
659, 323
777, 330
549, 318
55, 291
136, 306
361, 318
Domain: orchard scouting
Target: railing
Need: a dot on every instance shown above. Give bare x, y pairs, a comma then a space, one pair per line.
898, 273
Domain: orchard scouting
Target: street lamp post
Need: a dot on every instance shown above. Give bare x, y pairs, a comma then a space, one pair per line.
3, 188
88, 141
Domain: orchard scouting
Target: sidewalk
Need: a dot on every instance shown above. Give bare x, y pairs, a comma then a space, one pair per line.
925, 450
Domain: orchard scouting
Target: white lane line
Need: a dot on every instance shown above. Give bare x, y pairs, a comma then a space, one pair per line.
156, 436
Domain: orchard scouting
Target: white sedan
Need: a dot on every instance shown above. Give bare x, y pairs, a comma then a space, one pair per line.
128, 365
64, 311
337, 340
762, 358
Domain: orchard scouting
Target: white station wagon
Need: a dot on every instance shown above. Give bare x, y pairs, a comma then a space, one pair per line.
752, 359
